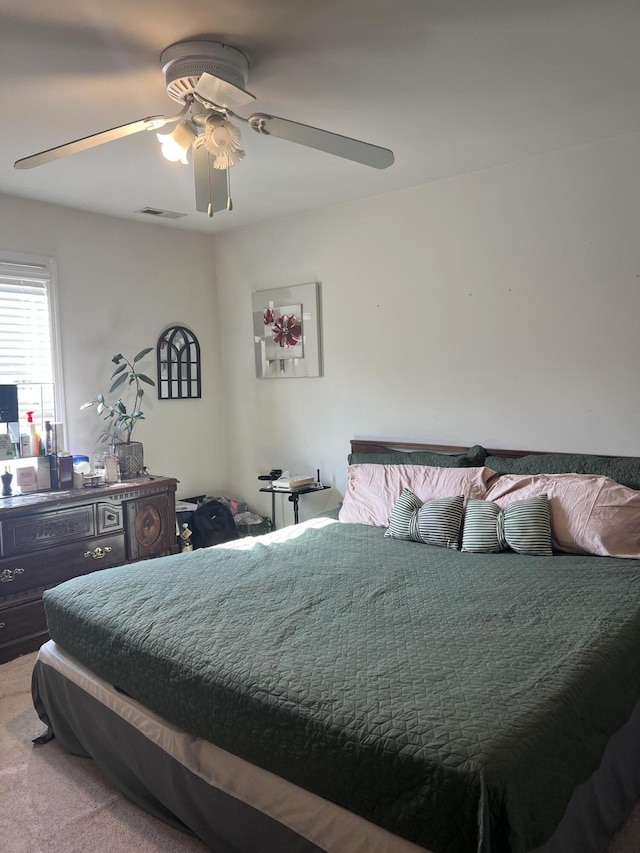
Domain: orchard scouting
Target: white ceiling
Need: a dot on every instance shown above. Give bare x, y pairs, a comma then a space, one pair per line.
451, 86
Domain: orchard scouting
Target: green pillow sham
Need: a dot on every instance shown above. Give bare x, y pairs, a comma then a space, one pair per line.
624, 470
473, 458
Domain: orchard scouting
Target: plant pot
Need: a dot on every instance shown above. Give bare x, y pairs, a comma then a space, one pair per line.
130, 459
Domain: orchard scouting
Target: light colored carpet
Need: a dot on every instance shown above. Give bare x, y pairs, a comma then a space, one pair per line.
59, 803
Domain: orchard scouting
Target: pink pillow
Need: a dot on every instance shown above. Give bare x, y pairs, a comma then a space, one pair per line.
372, 490
589, 514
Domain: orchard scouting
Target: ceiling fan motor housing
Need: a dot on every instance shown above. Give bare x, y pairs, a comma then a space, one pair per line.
184, 62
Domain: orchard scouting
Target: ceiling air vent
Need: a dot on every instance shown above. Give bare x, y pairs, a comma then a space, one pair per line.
161, 214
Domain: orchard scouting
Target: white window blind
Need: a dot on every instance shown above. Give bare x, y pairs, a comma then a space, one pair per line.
27, 335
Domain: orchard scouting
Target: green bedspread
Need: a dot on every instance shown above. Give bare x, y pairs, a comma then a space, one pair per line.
454, 699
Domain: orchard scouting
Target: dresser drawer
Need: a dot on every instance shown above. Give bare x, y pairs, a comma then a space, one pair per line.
39, 530
21, 620
108, 517
50, 567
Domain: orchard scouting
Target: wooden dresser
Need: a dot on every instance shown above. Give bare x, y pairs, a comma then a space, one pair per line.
49, 537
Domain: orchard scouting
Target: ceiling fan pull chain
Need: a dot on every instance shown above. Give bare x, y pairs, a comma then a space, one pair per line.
210, 205
229, 201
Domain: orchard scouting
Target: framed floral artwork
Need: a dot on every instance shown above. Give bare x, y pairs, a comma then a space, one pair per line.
286, 331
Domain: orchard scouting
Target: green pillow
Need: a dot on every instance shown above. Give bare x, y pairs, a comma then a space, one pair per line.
473, 458
624, 470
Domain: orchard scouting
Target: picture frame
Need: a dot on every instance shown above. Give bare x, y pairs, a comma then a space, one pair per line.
286, 332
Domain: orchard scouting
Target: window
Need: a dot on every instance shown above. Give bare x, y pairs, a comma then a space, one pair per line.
29, 355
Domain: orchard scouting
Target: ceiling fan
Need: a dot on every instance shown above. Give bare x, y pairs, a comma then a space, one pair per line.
208, 79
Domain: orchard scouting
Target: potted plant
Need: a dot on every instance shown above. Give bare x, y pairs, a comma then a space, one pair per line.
120, 421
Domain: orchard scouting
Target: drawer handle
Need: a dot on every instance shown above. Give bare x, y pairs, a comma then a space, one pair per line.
97, 553
9, 574
1, 625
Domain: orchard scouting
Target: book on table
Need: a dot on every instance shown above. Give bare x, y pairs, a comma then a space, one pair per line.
292, 481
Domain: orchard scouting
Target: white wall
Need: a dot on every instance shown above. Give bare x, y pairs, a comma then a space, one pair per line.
500, 307
120, 284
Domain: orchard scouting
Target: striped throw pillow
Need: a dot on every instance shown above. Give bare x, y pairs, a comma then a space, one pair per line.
435, 522
524, 527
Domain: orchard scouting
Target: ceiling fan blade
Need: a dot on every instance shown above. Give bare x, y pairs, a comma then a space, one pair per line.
220, 93
211, 184
323, 140
151, 123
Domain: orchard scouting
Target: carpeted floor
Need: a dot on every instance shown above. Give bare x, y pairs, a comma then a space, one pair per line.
59, 803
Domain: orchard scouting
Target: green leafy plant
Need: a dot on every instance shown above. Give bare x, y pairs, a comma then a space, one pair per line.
121, 422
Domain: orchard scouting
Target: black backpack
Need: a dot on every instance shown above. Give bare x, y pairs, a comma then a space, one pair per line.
212, 524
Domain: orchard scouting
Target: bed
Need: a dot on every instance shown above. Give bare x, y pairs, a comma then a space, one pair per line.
350, 684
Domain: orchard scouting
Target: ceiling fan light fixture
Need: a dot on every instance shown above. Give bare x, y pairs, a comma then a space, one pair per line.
222, 139
226, 159
176, 144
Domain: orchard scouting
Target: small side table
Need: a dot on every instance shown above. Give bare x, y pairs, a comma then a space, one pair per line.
294, 497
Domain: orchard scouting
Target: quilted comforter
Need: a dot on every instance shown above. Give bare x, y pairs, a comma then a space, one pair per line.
454, 699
